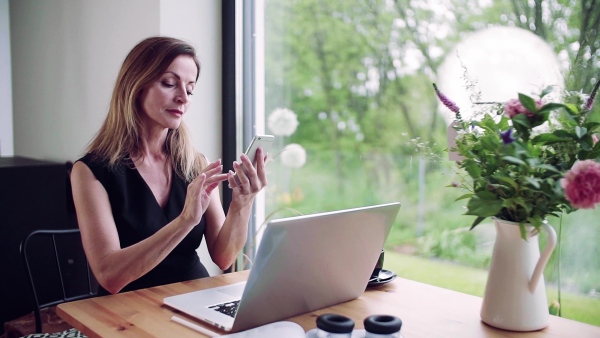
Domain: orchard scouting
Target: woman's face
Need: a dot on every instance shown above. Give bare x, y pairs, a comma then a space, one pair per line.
165, 101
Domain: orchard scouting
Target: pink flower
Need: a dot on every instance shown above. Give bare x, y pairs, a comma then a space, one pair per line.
582, 184
514, 107
595, 138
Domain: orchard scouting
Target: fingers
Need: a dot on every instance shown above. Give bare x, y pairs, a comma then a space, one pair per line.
236, 179
197, 182
260, 167
196, 187
209, 188
242, 173
213, 168
248, 178
247, 165
211, 174
216, 179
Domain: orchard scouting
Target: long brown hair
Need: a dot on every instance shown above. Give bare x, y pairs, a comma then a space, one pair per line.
120, 133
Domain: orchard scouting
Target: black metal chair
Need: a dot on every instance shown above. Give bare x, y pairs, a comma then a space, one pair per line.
57, 269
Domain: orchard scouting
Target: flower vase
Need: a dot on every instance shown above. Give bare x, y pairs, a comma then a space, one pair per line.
515, 293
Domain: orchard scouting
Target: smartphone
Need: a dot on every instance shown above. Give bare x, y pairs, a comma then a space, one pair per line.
263, 141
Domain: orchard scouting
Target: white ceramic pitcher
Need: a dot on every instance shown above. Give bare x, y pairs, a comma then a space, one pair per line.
515, 293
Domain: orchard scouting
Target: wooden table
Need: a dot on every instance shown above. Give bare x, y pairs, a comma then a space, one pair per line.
426, 311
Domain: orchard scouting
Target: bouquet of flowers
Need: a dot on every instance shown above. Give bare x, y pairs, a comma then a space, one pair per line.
527, 159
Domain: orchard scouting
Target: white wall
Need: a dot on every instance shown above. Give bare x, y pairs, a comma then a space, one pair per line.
6, 122
65, 59
66, 56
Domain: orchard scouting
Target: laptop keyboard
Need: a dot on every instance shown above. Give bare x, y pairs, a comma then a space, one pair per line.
228, 308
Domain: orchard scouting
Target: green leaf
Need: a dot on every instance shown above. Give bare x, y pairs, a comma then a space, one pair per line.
536, 221
483, 207
486, 195
473, 169
506, 179
571, 108
521, 120
528, 102
548, 167
546, 91
513, 160
520, 201
586, 143
488, 123
594, 154
513, 203
465, 196
523, 231
491, 142
553, 106
592, 126
540, 118
549, 139
532, 162
477, 221
534, 182
580, 132
563, 134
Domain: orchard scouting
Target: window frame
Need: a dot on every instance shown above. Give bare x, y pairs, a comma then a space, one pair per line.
243, 96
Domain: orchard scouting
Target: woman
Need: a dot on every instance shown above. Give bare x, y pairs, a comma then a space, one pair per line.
144, 197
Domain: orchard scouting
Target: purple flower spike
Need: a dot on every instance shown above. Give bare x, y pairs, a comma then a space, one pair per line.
507, 137
446, 101
590, 102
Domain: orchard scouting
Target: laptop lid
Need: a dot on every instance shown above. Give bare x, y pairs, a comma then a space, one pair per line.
303, 264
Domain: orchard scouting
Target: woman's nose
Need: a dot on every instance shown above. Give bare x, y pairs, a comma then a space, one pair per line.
182, 95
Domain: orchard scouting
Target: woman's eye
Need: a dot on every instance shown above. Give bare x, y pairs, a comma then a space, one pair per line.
168, 85
190, 93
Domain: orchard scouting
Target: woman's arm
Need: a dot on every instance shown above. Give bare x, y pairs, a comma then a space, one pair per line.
115, 267
226, 235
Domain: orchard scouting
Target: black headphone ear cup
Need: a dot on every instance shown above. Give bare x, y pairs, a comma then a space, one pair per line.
382, 324
334, 323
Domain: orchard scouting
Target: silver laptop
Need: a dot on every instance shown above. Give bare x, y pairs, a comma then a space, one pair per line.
303, 264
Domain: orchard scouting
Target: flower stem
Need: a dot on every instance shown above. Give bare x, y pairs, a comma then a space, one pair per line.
558, 265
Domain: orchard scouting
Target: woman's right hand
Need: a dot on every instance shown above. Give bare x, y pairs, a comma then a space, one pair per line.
199, 191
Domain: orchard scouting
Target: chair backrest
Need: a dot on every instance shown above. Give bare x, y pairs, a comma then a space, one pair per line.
57, 269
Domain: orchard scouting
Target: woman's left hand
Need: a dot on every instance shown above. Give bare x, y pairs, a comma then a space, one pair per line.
248, 180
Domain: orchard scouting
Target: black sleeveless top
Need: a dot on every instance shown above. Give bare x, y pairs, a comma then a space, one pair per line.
138, 216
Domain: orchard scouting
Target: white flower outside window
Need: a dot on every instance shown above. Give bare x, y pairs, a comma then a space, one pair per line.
293, 155
282, 122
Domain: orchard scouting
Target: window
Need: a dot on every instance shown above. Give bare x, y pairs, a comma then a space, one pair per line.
348, 94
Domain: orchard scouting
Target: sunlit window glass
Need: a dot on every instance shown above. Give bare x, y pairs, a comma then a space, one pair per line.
348, 95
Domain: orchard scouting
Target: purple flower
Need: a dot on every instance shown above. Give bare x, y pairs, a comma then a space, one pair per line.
507, 137
446, 101
590, 101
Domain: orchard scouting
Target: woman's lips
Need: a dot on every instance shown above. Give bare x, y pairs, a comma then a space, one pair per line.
175, 112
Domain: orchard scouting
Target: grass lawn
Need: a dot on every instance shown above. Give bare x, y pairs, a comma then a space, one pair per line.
472, 281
